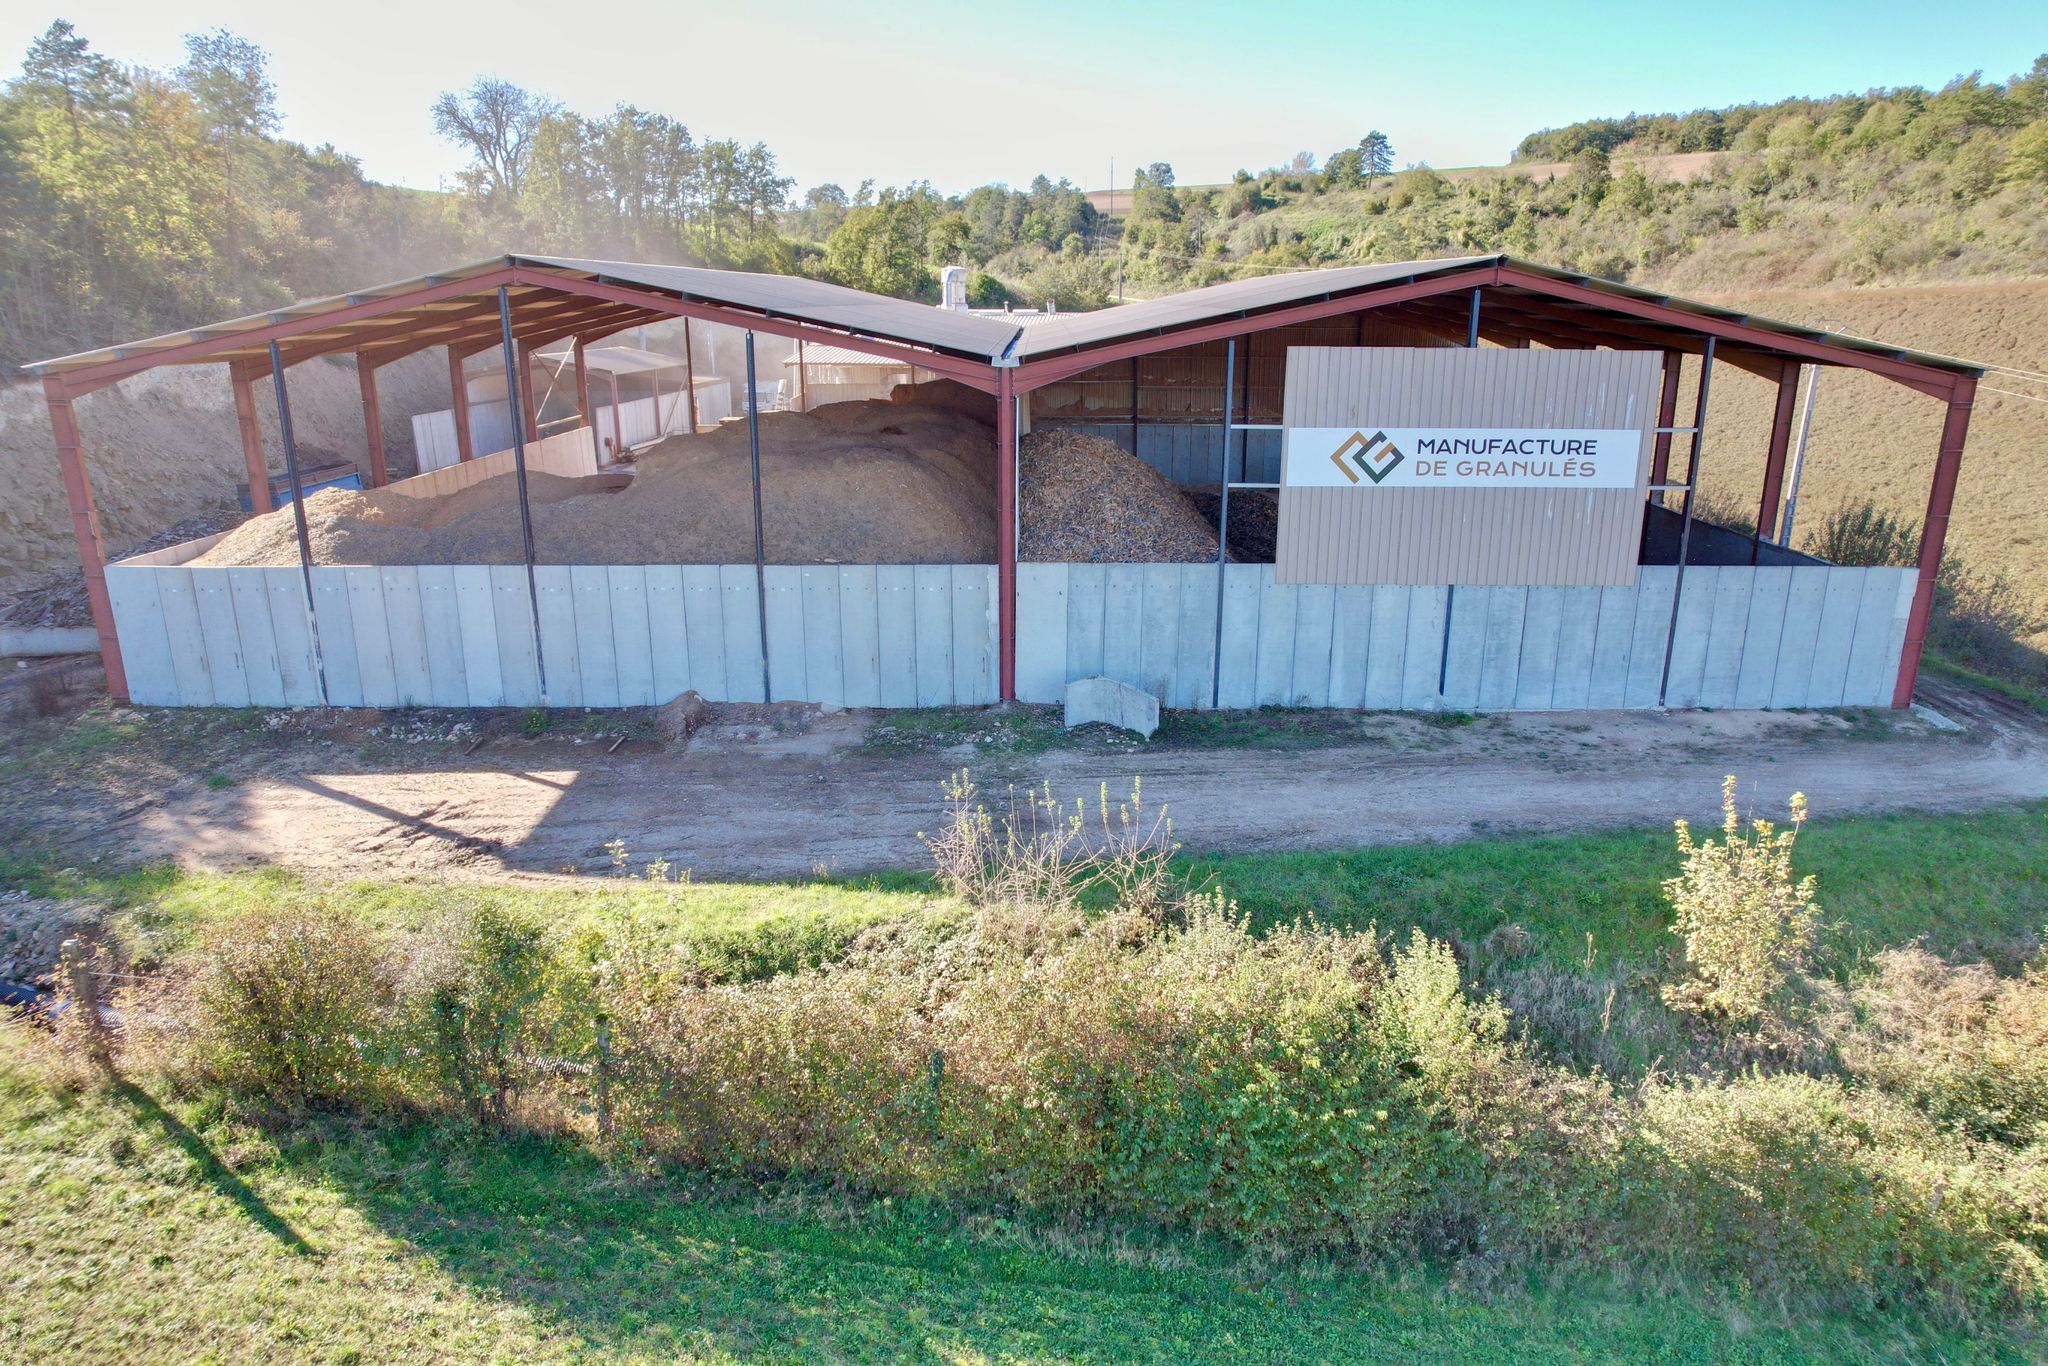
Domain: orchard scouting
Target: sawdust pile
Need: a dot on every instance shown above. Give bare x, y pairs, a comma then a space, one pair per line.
848, 483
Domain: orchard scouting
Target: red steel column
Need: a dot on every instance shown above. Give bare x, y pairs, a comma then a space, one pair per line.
85, 528
252, 437
1955, 430
1006, 530
1774, 455
690, 375
1667, 416
373, 421
458, 388
523, 401
583, 402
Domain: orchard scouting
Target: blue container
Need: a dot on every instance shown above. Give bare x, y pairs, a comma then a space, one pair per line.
343, 476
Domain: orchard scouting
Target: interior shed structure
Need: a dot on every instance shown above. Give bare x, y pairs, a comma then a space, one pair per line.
1480, 476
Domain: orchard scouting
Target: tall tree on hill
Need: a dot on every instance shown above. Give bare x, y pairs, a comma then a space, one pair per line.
1375, 156
237, 104
1361, 165
497, 121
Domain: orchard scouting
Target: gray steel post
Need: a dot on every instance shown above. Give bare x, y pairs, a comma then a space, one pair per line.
514, 397
291, 466
1692, 486
1223, 521
760, 545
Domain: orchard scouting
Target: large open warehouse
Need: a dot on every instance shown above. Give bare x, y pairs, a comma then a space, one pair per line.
1458, 484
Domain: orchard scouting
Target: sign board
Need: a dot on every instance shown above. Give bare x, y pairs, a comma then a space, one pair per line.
1374, 457
1445, 465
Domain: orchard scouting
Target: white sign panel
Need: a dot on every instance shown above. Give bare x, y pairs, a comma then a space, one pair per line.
1461, 458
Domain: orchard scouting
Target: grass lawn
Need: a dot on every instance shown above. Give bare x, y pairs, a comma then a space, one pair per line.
137, 1228
1973, 886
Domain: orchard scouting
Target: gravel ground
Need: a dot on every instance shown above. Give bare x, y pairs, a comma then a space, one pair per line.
32, 929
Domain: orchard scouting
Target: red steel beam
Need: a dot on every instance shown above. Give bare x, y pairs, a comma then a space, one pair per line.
1774, 453
975, 374
1948, 462
1037, 374
690, 375
458, 388
484, 330
373, 421
241, 379
85, 379
1667, 416
1006, 533
1578, 327
583, 403
413, 333
528, 415
1925, 378
85, 529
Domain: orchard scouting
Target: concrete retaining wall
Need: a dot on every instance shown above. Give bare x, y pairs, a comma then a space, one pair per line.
610, 635
1747, 638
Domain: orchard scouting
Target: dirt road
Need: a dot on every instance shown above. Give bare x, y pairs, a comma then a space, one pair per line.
788, 793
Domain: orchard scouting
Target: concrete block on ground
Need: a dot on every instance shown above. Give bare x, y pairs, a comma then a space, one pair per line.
1112, 703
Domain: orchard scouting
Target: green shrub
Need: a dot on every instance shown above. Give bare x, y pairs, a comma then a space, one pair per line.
1804, 1188
1746, 922
283, 1002
1967, 1047
1863, 536
475, 1000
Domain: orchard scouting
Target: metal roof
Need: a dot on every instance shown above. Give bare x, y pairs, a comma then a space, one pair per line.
614, 360
452, 308
815, 353
808, 300
356, 317
1080, 332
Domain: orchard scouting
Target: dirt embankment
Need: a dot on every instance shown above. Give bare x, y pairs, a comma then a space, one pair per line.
163, 448
849, 483
1873, 439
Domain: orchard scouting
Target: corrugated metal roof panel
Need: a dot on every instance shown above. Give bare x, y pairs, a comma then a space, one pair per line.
793, 296
615, 360
820, 354
1081, 331
1078, 331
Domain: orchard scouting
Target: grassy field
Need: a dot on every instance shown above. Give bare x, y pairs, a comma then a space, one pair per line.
139, 1225
1878, 876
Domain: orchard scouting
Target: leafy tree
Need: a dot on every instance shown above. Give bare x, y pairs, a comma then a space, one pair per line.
497, 121
1375, 156
881, 246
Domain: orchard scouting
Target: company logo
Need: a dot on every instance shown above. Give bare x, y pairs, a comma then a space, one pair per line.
1373, 456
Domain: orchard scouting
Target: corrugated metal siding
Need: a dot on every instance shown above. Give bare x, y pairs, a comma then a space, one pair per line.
1185, 384
1466, 536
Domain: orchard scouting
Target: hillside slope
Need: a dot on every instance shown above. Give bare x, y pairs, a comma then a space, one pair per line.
1874, 439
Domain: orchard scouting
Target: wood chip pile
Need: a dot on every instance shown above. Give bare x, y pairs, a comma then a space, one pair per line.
849, 483
1087, 500
1254, 521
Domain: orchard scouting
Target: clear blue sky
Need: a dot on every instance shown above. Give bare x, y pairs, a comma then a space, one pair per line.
966, 94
